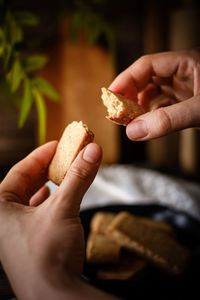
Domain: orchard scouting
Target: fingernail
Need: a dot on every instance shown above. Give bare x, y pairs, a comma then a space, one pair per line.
92, 153
137, 130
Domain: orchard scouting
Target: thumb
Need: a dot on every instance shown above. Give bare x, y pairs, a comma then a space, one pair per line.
165, 120
82, 172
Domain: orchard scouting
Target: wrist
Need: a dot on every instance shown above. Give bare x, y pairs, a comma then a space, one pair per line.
52, 287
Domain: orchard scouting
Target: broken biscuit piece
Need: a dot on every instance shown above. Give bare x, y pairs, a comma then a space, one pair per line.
156, 246
74, 138
121, 110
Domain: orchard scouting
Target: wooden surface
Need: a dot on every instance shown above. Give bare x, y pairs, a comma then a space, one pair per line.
78, 71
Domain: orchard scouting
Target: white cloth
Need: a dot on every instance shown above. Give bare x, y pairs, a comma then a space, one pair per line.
118, 184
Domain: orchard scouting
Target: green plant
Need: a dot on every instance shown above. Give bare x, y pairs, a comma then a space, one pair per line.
91, 15
18, 73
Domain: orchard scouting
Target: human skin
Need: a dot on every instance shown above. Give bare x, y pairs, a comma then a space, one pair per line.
172, 76
41, 236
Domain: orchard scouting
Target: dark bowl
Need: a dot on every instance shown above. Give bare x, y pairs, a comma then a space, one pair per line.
154, 284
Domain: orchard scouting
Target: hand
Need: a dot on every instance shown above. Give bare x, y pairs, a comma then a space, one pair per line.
175, 77
41, 236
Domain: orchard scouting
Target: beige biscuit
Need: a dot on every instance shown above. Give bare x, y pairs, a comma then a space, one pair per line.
158, 225
128, 267
121, 110
75, 137
101, 249
100, 221
156, 246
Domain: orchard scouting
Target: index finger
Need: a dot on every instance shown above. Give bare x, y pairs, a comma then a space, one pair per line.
136, 77
27, 176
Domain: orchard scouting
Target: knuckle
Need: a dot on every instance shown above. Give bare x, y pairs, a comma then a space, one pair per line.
164, 124
79, 172
144, 58
9, 196
25, 177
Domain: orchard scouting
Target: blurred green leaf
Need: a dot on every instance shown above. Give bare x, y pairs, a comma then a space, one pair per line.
2, 42
6, 97
15, 75
95, 25
41, 112
26, 18
94, 31
9, 58
46, 88
76, 25
34, 62
110, 37
26, 103
14, 33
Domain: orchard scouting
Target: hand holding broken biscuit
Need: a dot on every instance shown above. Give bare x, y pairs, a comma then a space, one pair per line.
171, 77
44, 241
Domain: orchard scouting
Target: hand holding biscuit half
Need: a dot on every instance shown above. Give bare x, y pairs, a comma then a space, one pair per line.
41, 236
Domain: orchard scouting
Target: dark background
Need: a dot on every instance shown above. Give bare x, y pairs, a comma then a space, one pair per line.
141, 27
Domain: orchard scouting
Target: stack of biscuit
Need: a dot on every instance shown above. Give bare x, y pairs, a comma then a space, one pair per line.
122, 245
